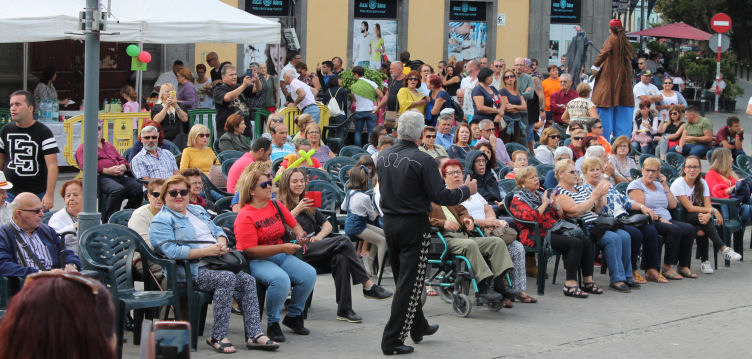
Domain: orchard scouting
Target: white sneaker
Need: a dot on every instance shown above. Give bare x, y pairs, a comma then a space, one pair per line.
706, 267
731, 255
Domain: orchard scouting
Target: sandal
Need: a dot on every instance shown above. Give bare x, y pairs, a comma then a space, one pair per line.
506, 303
574, 291
526, 299
638, 278
256, 343
657, 278
220, 346
671, 275
686, 273
592, 288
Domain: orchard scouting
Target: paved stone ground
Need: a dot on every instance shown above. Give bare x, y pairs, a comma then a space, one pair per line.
703, 318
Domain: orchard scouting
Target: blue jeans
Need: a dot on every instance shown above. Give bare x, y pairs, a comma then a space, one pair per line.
277, 273
616, 120
617, 248
314, 111
336, 121
359, 118
745, 213
695, 150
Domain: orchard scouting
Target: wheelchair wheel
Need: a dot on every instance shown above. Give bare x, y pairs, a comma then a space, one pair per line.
462, 305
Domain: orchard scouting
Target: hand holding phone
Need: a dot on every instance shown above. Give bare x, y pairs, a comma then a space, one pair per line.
172, 339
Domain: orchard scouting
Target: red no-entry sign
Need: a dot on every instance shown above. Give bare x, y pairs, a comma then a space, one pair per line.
720, 23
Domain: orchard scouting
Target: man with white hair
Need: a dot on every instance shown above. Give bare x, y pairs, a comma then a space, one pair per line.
559, 100
301, 94
409, 182
561, 153
152, 161
599, 152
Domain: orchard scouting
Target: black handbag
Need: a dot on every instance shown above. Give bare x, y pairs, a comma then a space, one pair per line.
634, 220
233, 261
603, 224
567, 229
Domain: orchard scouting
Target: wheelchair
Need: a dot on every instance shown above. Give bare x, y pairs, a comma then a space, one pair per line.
454, 277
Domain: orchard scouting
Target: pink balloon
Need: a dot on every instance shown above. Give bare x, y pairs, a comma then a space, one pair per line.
144, 57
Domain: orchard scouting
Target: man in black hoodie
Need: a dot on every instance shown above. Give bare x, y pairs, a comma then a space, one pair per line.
409, 180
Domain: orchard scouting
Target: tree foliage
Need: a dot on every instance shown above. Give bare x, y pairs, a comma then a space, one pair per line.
698, 13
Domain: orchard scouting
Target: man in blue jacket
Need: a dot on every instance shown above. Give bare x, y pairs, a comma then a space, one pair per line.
28, 246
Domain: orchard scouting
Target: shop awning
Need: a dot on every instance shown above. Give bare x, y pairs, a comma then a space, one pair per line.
150, 21
677, 30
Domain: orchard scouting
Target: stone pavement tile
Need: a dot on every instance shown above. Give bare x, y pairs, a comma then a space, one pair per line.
706, 317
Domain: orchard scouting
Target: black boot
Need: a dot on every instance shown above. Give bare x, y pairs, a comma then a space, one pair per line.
296, 324
504, 287
486, 291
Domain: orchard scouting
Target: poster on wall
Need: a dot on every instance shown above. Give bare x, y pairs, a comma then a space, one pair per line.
269, 8
565, 11
468, 30
374, 34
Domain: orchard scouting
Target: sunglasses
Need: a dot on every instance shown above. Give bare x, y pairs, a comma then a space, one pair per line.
509, 77
75, 277
674, 113
668, 83
430, 136
554, 136
37, 210
597, 127
578, 138
277, 120
154, 194
149, 137
174, 193
572, 172
413, 79
206, 135
265, 184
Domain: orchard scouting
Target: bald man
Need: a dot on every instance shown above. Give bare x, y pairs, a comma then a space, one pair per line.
40, 247
212, 59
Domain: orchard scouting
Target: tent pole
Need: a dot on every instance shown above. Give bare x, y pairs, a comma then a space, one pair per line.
25, 65
140, 79
90, 217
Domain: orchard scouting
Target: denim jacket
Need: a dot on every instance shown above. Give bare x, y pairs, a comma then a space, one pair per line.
169, 225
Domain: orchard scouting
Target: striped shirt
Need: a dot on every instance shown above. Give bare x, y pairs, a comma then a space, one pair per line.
37, 247
580, 196
145, 164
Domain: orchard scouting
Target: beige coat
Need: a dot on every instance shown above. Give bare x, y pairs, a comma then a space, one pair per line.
613, 83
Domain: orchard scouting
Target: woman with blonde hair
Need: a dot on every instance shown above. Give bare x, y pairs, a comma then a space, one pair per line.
722, 181
621, 160
168, 113
302, 122
264, 167
549, 140
198, 154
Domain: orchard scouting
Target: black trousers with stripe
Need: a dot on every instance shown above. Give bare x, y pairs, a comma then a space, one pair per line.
407, 239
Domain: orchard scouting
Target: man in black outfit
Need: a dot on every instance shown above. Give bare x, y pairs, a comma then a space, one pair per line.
409, 181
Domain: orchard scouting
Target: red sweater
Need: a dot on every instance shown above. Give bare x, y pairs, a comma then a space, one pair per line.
718, 184
523, 211
261, 227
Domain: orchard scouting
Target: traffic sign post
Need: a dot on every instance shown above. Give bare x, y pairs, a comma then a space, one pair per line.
720, 23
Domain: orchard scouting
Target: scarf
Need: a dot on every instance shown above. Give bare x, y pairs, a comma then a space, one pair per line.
363, 89
529, 198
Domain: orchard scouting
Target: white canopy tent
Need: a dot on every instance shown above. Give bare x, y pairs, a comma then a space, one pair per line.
137, 21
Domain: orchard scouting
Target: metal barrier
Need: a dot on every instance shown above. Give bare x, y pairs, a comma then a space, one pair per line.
122, 131
205, 117
4, 116
289, 114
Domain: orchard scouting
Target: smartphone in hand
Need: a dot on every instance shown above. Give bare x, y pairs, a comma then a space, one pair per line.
172, 339
315, 197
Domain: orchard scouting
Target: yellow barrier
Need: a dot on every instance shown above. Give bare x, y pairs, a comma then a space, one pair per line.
122, 133
289, 114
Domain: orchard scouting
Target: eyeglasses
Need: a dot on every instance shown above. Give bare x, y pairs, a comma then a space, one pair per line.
572, 172
149, 137
199, 183
641, 63
692, 167
206, 135
413, 79
265, 184
497, 65
37, 210
480, 160
430, 136
649, 170
313, 132
509, 77
174, 193
75, 277
154, 194
578, 138
668, 83
454, 173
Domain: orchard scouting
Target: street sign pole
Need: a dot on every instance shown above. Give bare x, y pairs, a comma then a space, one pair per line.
720, 23
718, 74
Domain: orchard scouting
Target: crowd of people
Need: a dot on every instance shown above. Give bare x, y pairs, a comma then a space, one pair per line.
435, 154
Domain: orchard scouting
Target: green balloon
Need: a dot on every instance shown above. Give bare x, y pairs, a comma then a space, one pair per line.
132, 50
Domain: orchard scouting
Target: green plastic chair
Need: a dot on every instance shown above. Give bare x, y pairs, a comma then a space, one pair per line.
223, 205
349, 151
334, 165
226, 165
732, 225
514, 146
108, 249
542, 249
675, 160
121, 217
229, 155
315, 174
